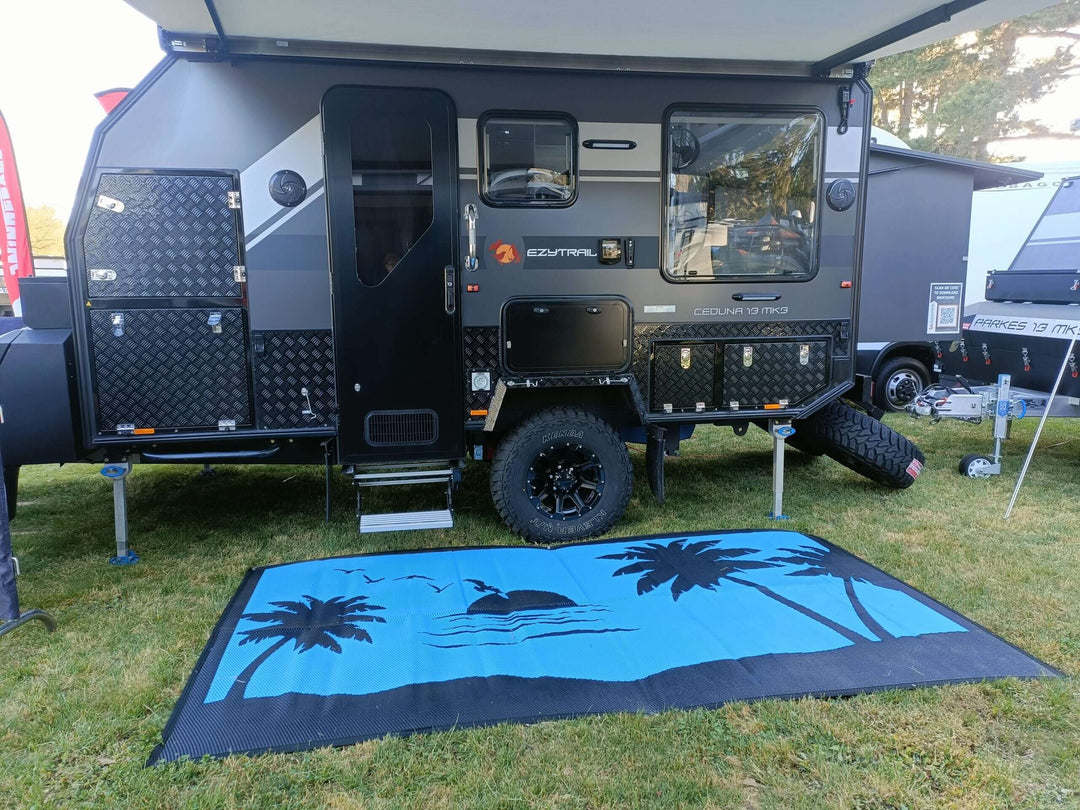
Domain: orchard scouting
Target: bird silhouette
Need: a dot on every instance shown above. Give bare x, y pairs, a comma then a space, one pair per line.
348, 570
413, 576
437, 589
483, 587
371, 581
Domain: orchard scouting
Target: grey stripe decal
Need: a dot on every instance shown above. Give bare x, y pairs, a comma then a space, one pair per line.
283, 217
314, 190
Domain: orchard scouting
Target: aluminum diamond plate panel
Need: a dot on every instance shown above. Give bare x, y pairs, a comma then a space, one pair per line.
646, 335
683, 376
481, 353
775, 372
286, 363
162, 236
168, 368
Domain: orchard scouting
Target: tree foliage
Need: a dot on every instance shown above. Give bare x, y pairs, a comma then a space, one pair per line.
46, 231
955, 97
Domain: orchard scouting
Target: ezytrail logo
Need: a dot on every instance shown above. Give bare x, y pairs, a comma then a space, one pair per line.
505, 253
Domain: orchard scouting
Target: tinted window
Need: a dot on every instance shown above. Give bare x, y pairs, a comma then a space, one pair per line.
527, 161
742, 195
392, 192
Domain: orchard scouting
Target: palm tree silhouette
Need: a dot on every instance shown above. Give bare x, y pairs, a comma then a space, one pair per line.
310, 625
704, 565
823, 562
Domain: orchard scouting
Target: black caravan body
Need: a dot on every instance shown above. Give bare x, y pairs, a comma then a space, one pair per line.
1030, 318
918, 219
340, 233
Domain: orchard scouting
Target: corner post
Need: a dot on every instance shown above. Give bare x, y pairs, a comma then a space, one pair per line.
780, 430
118, 474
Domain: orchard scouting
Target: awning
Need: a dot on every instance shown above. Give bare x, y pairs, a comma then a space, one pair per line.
814, 34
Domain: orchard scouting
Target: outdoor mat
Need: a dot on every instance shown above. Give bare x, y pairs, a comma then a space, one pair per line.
330, 652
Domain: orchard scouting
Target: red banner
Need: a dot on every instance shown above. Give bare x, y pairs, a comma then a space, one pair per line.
16, 259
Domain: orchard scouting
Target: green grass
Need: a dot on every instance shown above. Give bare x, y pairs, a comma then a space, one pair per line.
81, 709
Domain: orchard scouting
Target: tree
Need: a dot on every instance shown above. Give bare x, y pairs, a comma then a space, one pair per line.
705, 565
825, 562
46, 231
307, 626
955, 97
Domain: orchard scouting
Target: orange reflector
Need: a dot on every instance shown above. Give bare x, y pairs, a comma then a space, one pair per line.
772, 406
472, 288
143, 431
845, 285
478, 413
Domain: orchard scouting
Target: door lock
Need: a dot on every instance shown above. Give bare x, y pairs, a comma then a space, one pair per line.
449, 289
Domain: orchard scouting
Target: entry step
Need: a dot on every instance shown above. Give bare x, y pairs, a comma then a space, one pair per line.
405, 475
406, 521
393, 478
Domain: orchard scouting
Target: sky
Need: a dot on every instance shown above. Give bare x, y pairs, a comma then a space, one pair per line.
57, 53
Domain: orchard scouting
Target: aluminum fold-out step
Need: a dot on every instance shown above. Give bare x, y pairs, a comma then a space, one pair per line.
405, 521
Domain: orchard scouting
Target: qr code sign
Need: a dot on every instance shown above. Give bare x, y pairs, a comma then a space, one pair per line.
947, 315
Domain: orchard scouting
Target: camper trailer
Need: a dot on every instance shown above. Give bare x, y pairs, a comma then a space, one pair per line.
380, 242
918, 218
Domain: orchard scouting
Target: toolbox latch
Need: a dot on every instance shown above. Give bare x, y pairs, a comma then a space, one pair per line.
214, 322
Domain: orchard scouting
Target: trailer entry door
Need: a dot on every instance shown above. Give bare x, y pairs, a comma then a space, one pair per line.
390, 172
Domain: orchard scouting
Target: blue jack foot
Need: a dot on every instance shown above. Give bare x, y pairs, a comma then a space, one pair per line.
778, 517
129, 559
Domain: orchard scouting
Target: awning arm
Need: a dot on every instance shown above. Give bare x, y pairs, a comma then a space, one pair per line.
936, 16
223, 40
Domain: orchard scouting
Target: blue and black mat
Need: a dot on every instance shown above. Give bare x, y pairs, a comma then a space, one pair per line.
330, 652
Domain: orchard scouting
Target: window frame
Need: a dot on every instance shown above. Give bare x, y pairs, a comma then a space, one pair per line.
525, 115
763, 111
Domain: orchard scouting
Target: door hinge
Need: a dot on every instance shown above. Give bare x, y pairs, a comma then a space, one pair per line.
233, 199
239, 273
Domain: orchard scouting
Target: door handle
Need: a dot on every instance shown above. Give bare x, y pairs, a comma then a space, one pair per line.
756, 296
471, 262
449, 289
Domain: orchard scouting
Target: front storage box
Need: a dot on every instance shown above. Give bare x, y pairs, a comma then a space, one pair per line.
162, 236
170, 369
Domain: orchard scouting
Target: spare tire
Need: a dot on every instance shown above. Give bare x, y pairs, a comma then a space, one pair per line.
862, 444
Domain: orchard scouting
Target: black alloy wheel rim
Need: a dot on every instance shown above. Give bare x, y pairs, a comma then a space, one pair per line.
565, 481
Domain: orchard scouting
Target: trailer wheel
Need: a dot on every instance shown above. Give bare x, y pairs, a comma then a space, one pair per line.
563, 474
863, 444
899, 382
974, 465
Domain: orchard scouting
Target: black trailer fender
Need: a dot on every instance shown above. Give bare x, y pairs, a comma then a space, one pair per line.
614, 398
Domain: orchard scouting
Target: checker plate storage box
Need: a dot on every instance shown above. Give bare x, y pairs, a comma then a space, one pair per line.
758, 374
684, 376
163, 235
180, 369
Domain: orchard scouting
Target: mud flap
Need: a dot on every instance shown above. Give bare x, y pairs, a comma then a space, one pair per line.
655, 447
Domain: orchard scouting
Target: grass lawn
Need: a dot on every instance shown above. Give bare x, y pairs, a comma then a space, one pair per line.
81, 709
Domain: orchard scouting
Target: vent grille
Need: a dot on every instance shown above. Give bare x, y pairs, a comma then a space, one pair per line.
383, 428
